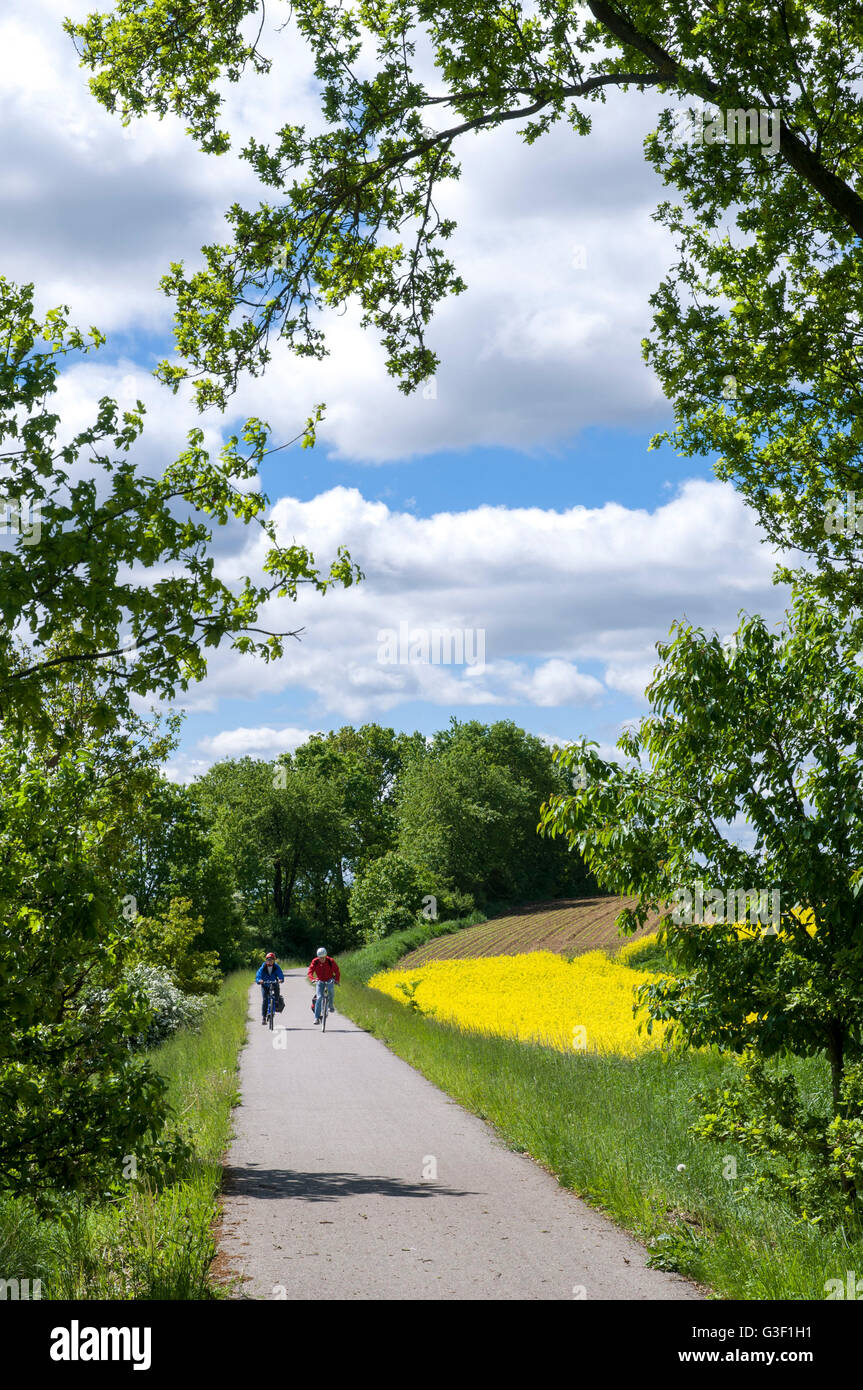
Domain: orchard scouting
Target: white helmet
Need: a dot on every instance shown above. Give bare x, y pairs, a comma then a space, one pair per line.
321, 951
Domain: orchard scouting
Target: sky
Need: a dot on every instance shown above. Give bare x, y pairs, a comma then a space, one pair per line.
513, 499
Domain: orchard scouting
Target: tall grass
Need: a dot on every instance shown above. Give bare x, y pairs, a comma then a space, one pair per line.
615, 1132
151, 1244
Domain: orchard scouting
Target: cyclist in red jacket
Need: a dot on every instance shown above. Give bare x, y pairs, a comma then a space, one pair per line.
324, 975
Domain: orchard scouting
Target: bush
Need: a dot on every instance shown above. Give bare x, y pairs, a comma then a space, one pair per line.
386, 897
172, 1008
166, 941
802, 1153
169, 1007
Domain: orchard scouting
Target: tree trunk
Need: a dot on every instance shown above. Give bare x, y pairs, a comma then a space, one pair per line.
277, 890
289, 891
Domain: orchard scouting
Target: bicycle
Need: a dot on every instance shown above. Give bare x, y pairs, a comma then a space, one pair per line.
325, 1005
272, 995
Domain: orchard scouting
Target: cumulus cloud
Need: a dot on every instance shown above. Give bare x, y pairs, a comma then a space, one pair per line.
260, 742
555, 241
540, 345
560, 253
558, 682
570, 603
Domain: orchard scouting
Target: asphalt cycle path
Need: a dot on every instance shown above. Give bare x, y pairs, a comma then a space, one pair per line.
350, 1176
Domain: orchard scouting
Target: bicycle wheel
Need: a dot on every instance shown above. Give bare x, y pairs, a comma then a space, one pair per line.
272, 1013
325, 1008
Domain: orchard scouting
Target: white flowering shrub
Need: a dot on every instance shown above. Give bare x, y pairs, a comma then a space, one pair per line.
169, 1007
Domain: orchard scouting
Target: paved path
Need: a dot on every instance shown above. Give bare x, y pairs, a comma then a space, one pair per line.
352, 1176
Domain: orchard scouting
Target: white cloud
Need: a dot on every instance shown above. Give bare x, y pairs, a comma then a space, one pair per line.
633, 679
558, 682
539, 346
560, 254
262, 741
183, 768
555, 593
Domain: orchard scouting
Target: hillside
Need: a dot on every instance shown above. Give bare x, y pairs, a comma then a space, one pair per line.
568, 927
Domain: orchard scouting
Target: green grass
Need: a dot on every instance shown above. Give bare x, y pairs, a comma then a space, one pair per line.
150, 1244
614, 1131
648, 955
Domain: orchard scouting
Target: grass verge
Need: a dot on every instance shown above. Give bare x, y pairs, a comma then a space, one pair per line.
615, 1131
151, 1244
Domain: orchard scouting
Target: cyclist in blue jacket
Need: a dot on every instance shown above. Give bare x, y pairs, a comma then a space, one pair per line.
268, 972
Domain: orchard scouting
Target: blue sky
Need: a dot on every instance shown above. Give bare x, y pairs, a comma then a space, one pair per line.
516, 496
601, 465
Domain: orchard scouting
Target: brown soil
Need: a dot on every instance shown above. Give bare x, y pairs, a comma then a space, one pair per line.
569, 928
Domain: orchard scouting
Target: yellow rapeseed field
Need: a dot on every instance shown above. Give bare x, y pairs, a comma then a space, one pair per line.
582, 1005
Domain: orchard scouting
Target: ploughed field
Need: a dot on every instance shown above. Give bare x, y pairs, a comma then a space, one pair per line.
567, 927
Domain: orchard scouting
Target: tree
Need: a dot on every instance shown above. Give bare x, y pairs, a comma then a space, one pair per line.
386, 898
74, 1103
154, 850
103, 558
171, 857
468, 811
756, 344
284, 829
169, 941
76, 579
763, 733
297, 832
365, 765
168, 837
233, 796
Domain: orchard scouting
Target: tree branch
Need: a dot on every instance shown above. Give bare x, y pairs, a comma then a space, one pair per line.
837, 193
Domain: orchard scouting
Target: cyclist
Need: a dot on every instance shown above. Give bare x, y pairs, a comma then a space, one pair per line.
268, 972
324, 975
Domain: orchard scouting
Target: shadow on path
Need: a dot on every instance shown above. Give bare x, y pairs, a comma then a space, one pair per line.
327, 1187
308, 1028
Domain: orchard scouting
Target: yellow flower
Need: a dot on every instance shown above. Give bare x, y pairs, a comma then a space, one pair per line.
805, 916
584, 1005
